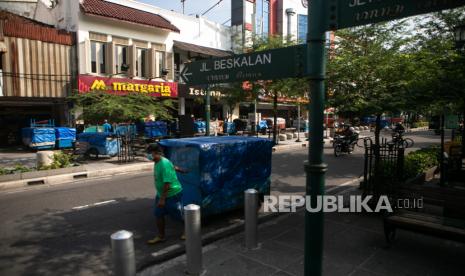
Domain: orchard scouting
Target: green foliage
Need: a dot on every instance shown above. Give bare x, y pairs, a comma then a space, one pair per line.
420, 124
437, 82
60, 160
98, 106
367, 70
18, 168
419, 161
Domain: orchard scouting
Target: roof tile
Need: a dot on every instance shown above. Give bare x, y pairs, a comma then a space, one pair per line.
120, 12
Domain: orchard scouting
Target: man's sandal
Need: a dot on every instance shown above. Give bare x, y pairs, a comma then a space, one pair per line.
156, 240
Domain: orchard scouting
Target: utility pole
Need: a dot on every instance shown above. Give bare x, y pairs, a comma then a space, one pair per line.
182, 2
315, 168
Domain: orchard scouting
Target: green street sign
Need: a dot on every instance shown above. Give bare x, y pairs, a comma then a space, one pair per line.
351, 13
272, 64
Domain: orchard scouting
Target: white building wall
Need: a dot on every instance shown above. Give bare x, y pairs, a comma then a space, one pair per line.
24, 8
282, 18
194, 30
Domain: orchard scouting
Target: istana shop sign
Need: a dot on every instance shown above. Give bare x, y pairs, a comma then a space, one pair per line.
192, 92
123, 86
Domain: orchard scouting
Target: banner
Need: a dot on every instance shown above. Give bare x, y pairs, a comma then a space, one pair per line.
123, 86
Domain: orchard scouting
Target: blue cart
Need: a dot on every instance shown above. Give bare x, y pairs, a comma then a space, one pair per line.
96, 144
220, 169
38, 138
65, 137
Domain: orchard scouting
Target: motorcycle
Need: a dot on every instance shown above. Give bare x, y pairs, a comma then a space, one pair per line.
343, 145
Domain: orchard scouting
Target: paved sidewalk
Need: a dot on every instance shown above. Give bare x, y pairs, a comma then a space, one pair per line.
353, 245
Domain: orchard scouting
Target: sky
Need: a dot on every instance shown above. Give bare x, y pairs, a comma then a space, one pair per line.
219, 14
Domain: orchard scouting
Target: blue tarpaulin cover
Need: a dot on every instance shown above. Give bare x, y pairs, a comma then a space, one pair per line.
38, 137
156, 129
102, 141
65, 133
229, 127
220, 169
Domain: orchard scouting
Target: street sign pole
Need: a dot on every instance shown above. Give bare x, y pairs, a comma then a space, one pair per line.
315, 168
207, 111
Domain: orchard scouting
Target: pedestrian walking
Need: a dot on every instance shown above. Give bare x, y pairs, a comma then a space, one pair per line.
106, 126
168, 200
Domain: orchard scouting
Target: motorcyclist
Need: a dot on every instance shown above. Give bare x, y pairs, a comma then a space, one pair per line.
398, 131
349, 134
399, 128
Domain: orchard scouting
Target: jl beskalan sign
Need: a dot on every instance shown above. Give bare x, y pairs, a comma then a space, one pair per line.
350, 13
239, 62
265, 65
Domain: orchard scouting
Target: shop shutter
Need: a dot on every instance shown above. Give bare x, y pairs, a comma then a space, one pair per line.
110, 58
132, 57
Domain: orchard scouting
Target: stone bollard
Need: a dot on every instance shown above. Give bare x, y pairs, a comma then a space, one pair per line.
44, 158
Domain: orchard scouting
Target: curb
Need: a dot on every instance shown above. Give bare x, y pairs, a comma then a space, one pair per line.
71, 177
178, 249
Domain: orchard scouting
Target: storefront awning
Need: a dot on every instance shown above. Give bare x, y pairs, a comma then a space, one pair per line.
201, 49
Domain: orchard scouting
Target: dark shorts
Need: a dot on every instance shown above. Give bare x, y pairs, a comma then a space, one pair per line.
173, 207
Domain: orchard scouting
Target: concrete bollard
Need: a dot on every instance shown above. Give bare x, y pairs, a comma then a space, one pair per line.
251, 218
192, 225
122, 247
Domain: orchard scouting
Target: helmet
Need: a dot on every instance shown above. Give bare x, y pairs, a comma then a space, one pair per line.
352, 128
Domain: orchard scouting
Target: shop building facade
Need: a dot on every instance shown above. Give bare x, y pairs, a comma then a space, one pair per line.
36, 74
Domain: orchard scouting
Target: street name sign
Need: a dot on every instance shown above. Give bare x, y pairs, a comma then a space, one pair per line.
272, 64
351, 13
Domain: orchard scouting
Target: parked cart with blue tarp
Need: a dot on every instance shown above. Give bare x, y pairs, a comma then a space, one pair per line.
200, 126
156, 129
65, 137
97, 144
220, 169
38, 138
229, 128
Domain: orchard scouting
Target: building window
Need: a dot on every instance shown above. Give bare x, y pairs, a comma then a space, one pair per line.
262, 13
160, 62
97, 57
121, 57
141, 63
302, 28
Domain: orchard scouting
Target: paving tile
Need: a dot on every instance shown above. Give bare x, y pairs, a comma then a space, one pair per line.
240, 265
362, 272
293, 238
416, 254
282, 273
273, 254
350, 248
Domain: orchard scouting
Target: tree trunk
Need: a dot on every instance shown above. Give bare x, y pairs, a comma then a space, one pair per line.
275, 118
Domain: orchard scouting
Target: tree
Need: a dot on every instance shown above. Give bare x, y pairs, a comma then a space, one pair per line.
367, 71
290, 87
98, 106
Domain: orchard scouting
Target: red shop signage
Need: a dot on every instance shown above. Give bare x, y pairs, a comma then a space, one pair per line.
123, 86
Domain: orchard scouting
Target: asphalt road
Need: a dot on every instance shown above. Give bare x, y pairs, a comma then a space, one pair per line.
65, 229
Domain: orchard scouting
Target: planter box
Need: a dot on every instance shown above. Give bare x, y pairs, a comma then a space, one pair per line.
39, 174
422, 177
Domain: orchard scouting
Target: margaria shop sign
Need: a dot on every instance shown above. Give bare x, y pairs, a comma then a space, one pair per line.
123, 86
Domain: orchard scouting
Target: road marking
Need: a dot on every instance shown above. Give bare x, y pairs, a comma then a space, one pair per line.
93, 204
351, 182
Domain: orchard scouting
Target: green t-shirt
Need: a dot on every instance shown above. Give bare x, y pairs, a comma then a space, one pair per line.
164, 172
